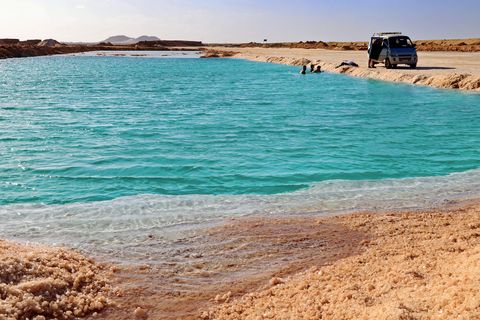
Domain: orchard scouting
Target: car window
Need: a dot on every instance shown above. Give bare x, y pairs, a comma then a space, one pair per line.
400, 42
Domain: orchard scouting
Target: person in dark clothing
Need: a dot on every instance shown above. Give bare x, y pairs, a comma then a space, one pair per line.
304, 70
318, 70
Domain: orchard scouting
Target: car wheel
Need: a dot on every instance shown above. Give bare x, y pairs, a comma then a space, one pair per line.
388, 65
413, 66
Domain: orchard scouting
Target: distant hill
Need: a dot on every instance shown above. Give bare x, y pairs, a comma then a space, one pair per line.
147, 38
117, 39
128, 40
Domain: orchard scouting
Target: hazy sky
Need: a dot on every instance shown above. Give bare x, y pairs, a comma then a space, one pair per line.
238, 20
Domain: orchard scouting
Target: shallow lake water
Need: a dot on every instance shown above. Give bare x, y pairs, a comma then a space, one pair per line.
98, 151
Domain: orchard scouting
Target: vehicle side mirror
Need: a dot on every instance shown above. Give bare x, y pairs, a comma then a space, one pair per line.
414, 45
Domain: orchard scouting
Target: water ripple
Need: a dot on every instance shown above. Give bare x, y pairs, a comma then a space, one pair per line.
78, 129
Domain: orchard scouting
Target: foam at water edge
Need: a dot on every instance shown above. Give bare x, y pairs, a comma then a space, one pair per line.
110, 227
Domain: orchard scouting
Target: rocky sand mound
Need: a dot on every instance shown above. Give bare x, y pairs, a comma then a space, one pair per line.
42, 283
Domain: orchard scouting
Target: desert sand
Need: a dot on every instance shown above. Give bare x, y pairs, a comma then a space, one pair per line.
459, 45
449, 70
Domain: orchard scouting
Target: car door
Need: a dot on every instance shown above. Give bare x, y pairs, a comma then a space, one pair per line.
384, 52
375, 48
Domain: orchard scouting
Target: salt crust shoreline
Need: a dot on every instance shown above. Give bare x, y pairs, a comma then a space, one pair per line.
418, 265
465, 82
461, 81
39, 283
409, 265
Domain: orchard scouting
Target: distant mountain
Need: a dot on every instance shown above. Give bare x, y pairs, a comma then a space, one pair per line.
118, 39
127, 40
147, 38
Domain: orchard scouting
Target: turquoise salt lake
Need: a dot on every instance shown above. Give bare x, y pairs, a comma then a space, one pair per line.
97, 149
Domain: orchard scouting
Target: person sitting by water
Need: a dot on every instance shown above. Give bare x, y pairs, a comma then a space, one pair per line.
304, 70
318, 70
349, 63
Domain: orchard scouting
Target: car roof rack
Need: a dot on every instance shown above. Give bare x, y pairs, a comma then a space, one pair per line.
382, 34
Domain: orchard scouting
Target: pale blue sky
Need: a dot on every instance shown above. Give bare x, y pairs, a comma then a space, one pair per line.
238, 20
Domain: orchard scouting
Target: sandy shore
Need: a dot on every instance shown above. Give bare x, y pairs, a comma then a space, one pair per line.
226, 262
414, 266
449, 70
406, 265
